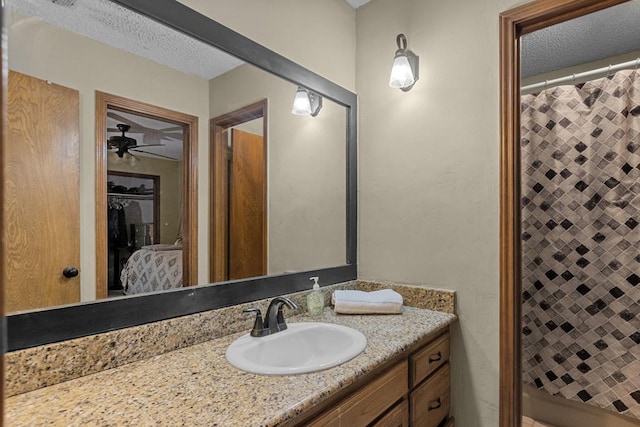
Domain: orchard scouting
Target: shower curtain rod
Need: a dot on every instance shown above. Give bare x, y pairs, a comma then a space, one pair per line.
574, 77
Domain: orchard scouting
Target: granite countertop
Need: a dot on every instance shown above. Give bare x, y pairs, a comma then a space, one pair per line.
197, 386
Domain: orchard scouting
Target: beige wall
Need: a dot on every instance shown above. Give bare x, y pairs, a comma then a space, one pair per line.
429, 177
306, 184
429, 173
170, 174
320, 35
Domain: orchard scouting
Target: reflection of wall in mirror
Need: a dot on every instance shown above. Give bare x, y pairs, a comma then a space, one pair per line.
44, 51
327, 41
306, 170
170, 173
253, 126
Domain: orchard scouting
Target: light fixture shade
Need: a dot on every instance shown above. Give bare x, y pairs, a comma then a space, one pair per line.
401, 73
301, 103
306, 103
405, 69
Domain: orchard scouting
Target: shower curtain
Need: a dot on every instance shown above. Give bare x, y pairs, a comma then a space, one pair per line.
581, 241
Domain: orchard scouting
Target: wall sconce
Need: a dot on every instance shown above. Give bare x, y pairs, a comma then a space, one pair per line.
405, 70
306, 103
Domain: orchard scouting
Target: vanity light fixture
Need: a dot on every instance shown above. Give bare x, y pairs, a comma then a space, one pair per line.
306, 103
405, 70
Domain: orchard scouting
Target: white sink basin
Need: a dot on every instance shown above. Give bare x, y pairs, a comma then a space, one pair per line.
301, 348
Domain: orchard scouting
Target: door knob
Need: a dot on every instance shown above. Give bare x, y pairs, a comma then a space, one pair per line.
70, 272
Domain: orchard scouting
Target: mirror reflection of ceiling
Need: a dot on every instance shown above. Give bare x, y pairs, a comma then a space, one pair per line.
156, 138
114, 25
609, 32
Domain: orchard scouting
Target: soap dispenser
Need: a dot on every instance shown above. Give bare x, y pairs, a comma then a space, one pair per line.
315, 299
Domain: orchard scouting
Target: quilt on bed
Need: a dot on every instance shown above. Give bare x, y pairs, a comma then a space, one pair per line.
149, 270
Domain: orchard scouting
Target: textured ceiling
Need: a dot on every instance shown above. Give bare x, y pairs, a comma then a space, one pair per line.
593, 37
111, 24
596, 36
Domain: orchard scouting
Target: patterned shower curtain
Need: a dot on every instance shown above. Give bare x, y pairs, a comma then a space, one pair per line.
581, 241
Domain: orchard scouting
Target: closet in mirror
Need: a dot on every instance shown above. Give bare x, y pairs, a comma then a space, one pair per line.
140, 159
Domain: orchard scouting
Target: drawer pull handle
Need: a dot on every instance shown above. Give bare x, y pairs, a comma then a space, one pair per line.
434, 404
435, 358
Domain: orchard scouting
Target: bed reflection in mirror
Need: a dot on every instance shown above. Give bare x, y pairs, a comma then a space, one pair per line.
126, 195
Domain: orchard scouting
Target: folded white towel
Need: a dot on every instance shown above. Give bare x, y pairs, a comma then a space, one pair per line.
385, 301
163, 247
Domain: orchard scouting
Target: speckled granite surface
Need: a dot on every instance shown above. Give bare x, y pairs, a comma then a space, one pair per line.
38, 367
196, 386
416, 296
43, 366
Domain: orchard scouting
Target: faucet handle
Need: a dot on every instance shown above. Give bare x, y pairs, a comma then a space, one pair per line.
258, 328
274, 320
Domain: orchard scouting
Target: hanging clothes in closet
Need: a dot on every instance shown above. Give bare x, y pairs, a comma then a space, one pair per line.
117, 226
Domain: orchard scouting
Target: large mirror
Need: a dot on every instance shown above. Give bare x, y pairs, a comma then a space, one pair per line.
173, 176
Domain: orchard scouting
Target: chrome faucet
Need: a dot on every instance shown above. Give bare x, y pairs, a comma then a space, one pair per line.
273, 320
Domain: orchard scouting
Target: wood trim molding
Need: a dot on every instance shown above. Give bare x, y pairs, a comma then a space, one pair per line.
189, 186
218, 185
513, 24
3, 118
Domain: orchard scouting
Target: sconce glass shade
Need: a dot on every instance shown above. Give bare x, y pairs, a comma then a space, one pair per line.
306, 103
401, 73
301, 103
405, 69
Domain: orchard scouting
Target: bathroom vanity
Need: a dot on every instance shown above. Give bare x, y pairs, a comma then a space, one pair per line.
401, 375
414, 391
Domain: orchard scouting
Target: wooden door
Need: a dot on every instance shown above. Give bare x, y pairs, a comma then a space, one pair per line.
41, 194
247, 206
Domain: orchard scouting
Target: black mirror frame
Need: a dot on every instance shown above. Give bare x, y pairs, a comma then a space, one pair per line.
30, 329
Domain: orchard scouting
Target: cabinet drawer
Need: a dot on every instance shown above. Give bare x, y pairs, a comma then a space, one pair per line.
426, 361
397, 417
368, 403
430, 401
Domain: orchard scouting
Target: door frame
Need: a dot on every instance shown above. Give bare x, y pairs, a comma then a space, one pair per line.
515, 23
106, 101
218, 184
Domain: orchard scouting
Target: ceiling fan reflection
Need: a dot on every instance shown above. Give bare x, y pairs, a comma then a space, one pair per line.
123, 144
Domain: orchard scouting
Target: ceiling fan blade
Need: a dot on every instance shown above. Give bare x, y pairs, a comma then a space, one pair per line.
178, 136
172, 129
146, 145
154, 154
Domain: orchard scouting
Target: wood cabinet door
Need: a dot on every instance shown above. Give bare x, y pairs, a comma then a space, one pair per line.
430, 401
247, 206
396, 417
41, 232
367, 404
